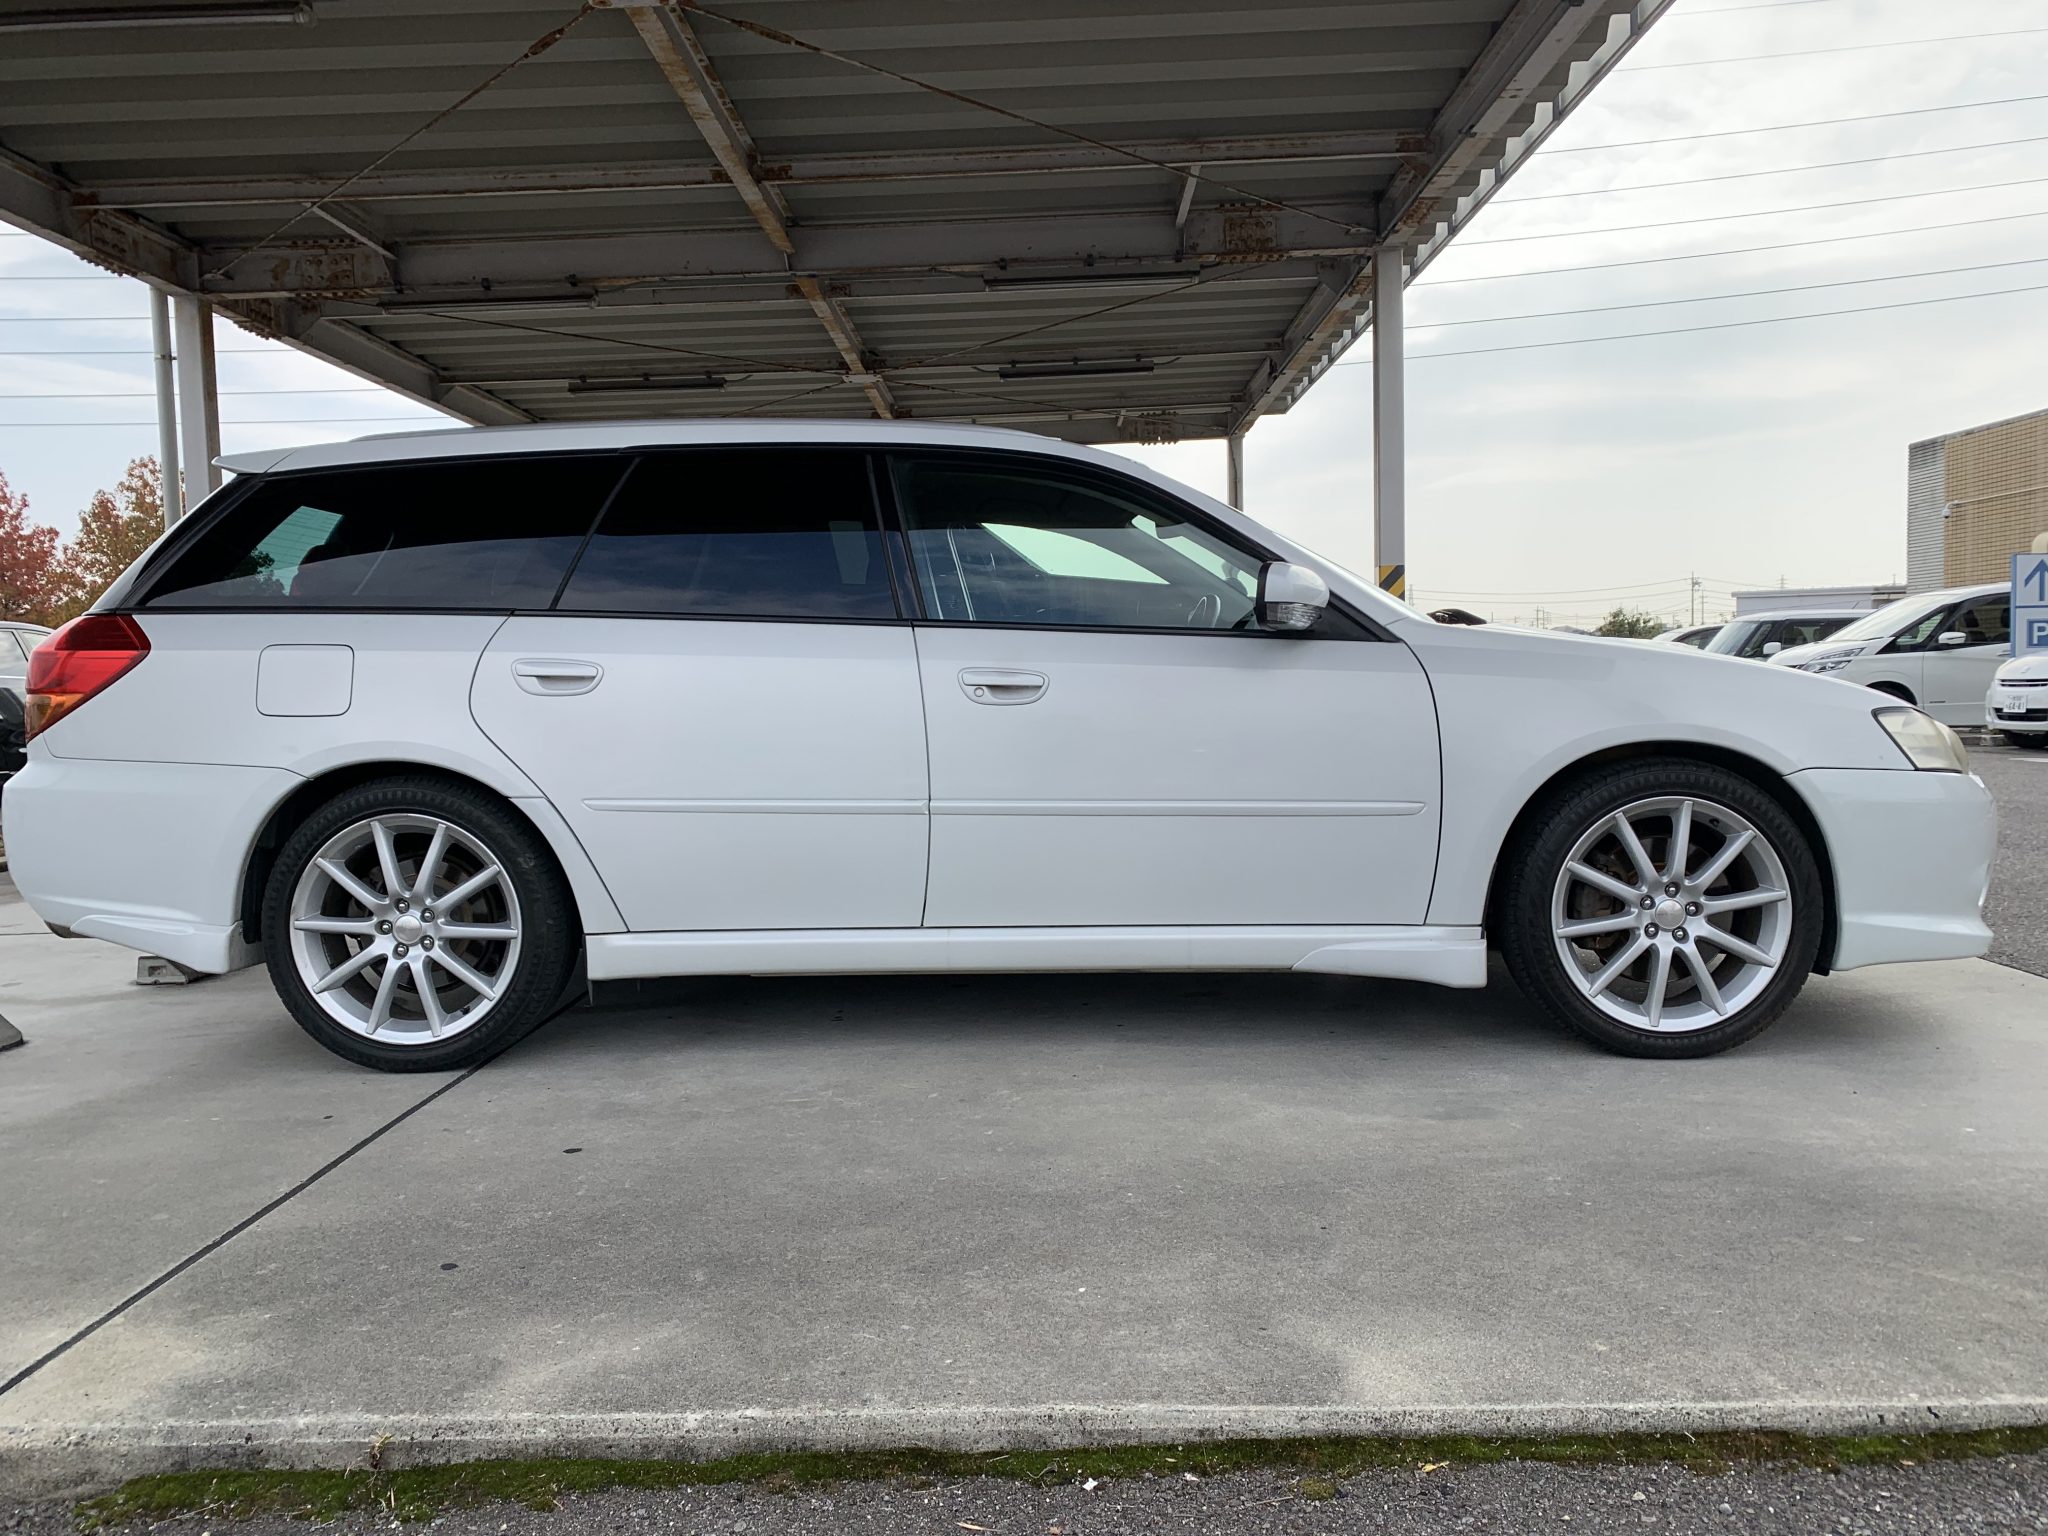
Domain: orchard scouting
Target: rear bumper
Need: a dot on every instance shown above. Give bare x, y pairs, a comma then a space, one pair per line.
1912, 861
147, 855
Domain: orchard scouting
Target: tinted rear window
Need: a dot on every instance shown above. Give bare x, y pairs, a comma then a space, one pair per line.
493, 535
739, 532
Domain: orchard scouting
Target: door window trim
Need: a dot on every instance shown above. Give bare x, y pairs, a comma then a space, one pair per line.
1359, 626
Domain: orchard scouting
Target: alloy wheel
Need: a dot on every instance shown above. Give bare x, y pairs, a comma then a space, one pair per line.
1672, 914
405, 929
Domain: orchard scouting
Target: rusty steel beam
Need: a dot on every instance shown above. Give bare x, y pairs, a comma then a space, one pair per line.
687, 68
860, 367
836, 169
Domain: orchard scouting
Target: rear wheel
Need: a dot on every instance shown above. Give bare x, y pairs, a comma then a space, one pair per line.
416, 925
1664, 908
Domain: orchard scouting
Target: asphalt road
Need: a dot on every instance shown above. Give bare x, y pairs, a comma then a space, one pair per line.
2019, 882
2009, 1494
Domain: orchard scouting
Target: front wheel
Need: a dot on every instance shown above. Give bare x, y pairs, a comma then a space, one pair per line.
1664, 908
2026, 741
417, 925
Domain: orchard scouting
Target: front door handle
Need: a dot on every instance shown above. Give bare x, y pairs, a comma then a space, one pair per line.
548, 676
992, 685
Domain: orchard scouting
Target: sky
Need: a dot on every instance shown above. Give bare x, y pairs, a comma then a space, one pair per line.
1545, 482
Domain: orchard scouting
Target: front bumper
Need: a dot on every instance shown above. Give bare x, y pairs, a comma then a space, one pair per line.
1912, 861
147, 855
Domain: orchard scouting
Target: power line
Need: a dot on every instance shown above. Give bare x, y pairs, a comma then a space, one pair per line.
1761, 213
1711, 298
1726, 325
147, 394
1744, 250
279, 421
1822, 122
1787, 170
1804, 53
129, 352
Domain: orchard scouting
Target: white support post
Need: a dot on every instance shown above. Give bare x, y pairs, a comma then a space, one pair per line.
1234, 445
198, 396
1389, 427
166, 404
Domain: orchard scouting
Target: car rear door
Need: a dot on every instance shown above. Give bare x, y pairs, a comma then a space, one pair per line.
1113, 744
723, 703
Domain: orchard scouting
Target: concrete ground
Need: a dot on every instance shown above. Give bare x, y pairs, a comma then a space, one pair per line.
969, 1211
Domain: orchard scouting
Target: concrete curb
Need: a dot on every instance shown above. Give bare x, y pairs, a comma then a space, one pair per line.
46, 1462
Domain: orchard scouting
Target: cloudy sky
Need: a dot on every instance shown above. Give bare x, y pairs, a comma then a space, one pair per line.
1564, 478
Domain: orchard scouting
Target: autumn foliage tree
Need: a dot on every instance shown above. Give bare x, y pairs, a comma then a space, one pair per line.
46, 581
33, 584
114, 529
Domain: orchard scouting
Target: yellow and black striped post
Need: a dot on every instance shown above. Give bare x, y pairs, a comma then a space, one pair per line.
1394, 580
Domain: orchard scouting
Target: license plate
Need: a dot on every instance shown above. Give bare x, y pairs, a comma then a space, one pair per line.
2018, 702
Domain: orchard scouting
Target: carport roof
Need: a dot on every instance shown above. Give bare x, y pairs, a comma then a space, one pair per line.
1102, 219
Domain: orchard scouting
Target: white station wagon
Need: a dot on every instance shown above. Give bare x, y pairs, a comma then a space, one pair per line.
422, 722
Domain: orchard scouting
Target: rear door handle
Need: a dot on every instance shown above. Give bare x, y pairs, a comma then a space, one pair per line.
547, 676
991, 685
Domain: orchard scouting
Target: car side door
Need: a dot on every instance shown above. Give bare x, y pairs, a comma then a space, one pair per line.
723, 703
1957, 676
1114, 741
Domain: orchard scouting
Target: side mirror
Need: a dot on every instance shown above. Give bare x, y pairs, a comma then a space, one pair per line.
1772, 647
1949, 637
1291, 597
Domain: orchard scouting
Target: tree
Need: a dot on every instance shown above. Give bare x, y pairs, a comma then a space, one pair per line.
114, 530
33, 582
1631, 624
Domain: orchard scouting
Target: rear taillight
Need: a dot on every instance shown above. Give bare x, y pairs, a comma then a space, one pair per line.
83, 658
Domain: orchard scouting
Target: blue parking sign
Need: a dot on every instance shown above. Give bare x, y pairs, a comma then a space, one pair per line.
2029, 604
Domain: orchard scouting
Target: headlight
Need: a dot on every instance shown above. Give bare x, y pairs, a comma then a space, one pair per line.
1926, 742
1827, 661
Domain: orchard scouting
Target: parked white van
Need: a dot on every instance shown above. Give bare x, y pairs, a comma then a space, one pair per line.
1937, 650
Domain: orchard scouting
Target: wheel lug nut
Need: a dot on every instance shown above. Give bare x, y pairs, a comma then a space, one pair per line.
1649, 930
399, 950
384, 927
427, 942
1679, 934
1649, 902
427, 915
401, 903
1670, 890
1692, 909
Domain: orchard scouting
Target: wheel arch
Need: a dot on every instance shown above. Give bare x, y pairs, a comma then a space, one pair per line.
1896, 689
1759, 773
594, 910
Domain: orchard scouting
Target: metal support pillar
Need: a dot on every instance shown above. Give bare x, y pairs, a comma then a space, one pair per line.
1389, 427
198, 396
166, 404
1234, 444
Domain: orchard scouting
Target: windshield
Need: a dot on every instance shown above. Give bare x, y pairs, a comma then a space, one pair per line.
1890, 619
1735, 636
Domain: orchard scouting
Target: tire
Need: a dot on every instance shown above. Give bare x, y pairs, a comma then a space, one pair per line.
2026, 741
513, 935
1573, 978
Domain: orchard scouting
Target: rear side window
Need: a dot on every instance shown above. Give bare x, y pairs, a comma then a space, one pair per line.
739, 533
449, 534
11, 647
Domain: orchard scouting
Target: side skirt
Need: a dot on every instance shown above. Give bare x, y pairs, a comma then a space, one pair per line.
1451, 957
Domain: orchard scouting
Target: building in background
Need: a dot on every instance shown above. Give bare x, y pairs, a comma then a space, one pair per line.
1974, 499
1780, 599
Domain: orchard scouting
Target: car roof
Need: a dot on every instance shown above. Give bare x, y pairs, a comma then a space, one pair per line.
610, 436
41, 629
1801, 613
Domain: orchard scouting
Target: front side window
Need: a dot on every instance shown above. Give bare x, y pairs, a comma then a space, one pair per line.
1985, 621
1003, 542
450, 534
739, 533
1807, 631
